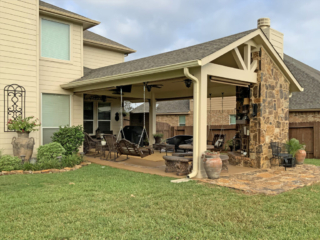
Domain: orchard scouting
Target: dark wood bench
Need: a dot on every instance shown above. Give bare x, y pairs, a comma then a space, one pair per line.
178, 164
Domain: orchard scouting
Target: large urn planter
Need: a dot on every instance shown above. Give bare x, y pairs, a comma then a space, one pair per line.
300, 156
212, 164
23, 145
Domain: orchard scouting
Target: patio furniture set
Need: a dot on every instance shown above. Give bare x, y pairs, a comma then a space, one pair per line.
181, 163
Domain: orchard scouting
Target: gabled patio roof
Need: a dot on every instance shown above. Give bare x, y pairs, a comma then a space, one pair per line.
193, 56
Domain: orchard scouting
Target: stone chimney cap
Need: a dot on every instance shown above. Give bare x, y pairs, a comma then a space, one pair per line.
264, 22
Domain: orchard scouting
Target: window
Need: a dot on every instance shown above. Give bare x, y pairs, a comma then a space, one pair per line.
55, 113
232, 119
88, 117
55, 40
104, 116
182, 120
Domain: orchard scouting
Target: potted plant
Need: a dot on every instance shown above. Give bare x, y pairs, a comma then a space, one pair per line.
146, 142
23, 145
229, 143
297, 150
157, 137
212, 164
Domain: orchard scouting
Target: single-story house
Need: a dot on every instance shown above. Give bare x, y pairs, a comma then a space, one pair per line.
59, 90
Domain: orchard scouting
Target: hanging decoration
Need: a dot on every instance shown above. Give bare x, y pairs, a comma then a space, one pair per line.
14, 103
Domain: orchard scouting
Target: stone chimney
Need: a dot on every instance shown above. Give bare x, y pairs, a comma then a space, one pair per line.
274, 36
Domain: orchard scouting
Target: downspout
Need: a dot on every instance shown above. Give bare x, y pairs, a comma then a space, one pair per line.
195, 123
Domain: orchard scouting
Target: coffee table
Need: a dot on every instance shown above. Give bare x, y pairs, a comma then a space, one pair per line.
190, 147
167, 147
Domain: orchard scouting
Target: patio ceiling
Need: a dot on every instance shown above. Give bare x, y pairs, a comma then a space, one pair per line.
172, 89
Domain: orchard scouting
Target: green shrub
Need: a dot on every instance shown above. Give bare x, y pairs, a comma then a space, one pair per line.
160, 135
71, 138
50, 152
9, 163
71, 160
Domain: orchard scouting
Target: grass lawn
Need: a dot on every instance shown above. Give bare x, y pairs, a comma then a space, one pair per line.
107, 203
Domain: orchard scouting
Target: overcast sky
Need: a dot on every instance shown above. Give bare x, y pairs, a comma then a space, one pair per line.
156, 26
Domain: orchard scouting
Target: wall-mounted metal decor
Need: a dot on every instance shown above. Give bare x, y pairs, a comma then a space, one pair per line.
14, 103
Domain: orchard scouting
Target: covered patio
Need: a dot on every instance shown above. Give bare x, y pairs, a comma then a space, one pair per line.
154, 164
244, 65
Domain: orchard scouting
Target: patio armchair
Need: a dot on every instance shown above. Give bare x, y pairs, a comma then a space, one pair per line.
90, 143
112, 146
280, 151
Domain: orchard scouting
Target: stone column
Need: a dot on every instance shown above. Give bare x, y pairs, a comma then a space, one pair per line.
271, 97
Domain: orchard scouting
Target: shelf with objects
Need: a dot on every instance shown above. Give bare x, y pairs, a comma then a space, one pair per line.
241, 140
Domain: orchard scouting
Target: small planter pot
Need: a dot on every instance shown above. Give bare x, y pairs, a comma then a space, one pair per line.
23, 145
231, 148
300, 156
212, 165
103, 143
157, 139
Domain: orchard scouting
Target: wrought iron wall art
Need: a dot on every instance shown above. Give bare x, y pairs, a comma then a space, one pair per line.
14, 103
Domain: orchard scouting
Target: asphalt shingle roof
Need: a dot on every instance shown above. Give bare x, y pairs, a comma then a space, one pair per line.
48, 5
309, 79
87, 35
178, 106
168, 58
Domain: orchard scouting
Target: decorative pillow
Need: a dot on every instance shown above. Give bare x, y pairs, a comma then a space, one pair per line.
219, 143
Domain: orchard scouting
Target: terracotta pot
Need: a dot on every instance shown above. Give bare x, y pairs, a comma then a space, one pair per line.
23, 145
212, 165
300, 156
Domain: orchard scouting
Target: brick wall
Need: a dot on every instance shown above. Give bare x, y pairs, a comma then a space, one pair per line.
296, 117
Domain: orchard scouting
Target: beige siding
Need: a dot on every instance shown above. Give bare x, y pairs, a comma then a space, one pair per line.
97, 57
53, 73
229, 103
19, 58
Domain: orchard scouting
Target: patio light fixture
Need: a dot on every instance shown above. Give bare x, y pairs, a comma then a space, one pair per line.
188, 83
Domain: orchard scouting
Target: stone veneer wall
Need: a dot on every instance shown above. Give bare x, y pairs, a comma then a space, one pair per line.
296, 117
271, 94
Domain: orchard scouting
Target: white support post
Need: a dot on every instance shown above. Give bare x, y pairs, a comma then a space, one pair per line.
152, 118
200, 122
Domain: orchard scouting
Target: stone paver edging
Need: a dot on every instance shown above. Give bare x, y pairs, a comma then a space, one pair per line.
67, 169
271, 181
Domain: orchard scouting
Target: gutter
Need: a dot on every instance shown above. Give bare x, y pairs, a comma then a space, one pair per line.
90, 22
177, 66
196, 153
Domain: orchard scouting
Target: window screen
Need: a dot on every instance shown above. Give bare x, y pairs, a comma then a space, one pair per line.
55, 113
182, 120
55, 40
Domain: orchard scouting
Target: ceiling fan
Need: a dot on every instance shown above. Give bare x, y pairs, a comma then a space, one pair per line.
150, 86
